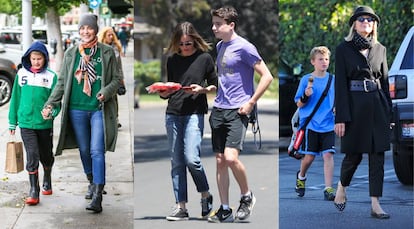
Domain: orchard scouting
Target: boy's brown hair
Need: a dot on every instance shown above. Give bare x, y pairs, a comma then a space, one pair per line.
228, 13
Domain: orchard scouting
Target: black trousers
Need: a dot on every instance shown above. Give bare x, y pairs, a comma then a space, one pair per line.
39, 147
376, 171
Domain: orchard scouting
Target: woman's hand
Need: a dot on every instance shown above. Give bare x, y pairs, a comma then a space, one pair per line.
194, 89
340, 129
165, 93
47, 112
100, 97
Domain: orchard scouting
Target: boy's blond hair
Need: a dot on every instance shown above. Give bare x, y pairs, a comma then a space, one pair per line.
321, 50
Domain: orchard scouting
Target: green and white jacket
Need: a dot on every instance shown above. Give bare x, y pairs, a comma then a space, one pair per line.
30, 92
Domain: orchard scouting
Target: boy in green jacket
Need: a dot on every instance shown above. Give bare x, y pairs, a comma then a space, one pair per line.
33, 84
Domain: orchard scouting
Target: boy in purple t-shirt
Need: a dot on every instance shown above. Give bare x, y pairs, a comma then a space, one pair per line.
237, 61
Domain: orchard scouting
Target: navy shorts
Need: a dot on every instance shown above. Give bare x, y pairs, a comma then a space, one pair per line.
316, 143
228, 129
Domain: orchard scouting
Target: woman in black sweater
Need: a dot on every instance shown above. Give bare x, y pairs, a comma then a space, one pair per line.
190, 65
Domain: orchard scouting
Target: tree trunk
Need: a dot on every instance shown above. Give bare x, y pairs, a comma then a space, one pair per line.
54, 33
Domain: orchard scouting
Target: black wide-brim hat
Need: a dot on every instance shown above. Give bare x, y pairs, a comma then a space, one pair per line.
363, 10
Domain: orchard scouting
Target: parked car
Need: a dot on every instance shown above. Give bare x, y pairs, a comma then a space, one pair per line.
289, 77
11, 38
2, 48
8, 72
401, 80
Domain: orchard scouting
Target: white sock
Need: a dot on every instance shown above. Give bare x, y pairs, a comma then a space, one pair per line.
225, 206
301, 178
247, 194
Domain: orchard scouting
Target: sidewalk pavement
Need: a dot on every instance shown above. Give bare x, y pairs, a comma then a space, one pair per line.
66, 207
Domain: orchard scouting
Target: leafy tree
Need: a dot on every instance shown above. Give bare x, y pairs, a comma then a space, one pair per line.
53, 9
10, 7
258, 22
305, 24
50, 10
166, 14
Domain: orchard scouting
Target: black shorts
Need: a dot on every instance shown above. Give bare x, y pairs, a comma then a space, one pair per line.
228, 129
316, 143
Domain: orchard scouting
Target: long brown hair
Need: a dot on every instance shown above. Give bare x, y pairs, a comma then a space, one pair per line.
186, 28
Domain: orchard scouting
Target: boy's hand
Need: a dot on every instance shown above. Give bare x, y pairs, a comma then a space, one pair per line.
246, 108
309, 87
309, 91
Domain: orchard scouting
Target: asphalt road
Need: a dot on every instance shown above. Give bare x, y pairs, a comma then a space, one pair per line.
312, 211
271, 176
152, 183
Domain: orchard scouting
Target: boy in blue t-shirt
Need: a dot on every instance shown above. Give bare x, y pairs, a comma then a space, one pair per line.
319, 136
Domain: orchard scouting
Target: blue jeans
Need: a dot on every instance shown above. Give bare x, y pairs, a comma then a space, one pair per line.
185, 134
89, 131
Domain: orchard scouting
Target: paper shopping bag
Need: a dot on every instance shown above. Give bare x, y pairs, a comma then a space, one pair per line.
14, 157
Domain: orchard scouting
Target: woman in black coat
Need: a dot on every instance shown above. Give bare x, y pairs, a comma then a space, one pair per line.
363, 105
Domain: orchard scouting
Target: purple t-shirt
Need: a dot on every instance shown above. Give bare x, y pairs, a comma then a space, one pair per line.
235, 61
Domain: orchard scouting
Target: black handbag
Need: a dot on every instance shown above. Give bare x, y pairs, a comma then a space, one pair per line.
301, 132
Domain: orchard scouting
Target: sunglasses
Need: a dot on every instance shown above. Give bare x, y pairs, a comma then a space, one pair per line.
368, 19
188, 43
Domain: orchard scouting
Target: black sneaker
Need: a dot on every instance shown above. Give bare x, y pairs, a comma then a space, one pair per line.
246, 207
300, 186
178, 214
222, 216
206, 206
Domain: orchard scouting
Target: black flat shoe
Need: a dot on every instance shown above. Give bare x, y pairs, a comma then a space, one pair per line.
340, 206
380, 215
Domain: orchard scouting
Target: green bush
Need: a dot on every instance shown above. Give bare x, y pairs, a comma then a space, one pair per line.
147, 73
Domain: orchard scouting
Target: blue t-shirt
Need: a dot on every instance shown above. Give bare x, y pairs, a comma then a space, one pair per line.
323, 120
235, 70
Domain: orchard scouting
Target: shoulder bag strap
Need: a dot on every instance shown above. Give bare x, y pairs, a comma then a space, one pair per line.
325, 92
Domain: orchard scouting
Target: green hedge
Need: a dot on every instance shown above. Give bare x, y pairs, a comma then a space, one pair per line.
147, 73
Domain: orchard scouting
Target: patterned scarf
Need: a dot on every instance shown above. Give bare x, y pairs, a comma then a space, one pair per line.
361, 42
86, 70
